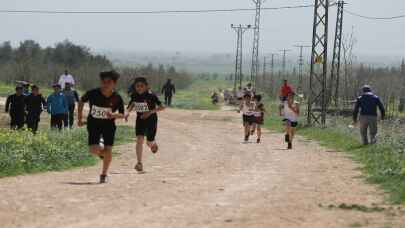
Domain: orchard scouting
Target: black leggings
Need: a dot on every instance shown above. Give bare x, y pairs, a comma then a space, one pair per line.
69, 118
17, 121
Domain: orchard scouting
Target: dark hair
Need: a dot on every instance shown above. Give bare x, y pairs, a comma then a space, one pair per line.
258, 97
56, 86
140, 80
19, 87
34, 87
113, 75
247, 95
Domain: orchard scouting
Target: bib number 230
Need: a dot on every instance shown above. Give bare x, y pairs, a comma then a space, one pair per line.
100, 113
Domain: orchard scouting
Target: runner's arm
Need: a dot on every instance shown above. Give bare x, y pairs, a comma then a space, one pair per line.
80, 113
8, 102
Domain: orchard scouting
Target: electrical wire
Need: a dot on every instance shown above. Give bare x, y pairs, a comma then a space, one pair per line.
151, 11
374, 18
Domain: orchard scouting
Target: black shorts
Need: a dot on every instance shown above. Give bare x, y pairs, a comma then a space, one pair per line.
147, 127
248, 119
107, 132
292, 123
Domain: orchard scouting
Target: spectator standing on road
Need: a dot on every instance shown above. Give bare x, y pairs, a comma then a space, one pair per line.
367, 105
66, 78
35, 104
71, 98
168, 90
57, 107
15, 107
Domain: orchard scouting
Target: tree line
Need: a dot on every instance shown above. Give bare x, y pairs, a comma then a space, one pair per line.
43, 65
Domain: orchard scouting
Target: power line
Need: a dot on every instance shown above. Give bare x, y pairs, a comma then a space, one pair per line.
374, 18
150, 11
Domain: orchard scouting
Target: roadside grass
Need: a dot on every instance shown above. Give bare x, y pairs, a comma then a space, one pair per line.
8, 89
198, 95
21, 152
383, 164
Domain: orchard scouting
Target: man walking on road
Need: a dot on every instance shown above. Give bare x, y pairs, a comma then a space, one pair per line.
66, 78
57, 107
35, 104
71, 98
367, 105
168, 90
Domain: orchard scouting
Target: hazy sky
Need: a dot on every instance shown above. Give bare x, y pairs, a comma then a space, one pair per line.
194, 32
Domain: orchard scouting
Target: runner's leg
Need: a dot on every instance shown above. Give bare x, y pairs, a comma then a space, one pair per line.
107, 153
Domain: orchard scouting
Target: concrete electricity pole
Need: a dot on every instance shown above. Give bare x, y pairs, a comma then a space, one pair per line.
301, 66
238, 76
284, 64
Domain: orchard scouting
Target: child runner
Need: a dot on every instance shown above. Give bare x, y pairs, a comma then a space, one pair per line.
104, 102
247, 108
57, 107
291, 113
146, 105
259, 116
35, 104
15, 107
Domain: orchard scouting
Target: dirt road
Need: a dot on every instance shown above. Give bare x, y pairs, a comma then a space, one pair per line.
203, 176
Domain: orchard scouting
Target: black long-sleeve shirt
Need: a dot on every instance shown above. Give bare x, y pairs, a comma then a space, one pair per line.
367, 105
15, 104
35, 104
169, 89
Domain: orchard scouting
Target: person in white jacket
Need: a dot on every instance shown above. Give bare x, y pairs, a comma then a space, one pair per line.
66, 78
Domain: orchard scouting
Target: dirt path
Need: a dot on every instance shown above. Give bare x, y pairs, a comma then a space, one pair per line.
203, 177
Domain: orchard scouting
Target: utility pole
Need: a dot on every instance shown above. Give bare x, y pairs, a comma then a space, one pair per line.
334, 84
301, 65
263, 81
319, 64
284, 64
256, 41
272, 73
238, 76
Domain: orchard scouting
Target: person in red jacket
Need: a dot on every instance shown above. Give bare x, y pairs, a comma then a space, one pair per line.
284, 91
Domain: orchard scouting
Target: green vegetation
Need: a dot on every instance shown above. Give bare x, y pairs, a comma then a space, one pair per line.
22, 152
6, 89
198, 95
383, 164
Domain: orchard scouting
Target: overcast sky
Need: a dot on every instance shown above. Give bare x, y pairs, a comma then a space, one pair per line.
194, 32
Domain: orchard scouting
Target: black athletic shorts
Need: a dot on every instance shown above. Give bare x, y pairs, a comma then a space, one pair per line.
147, 127
248, 119
96, 132
292, 123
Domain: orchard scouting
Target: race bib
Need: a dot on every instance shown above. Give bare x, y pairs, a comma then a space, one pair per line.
141, 107
100, 112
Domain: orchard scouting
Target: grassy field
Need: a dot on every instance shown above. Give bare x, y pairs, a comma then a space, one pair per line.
198, 95
21, 152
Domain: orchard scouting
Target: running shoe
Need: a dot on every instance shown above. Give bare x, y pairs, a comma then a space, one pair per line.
246, 138
154, 148
258, 140
103, 179
139, 167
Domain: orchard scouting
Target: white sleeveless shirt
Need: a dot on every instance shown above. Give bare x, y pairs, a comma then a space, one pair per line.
289, 114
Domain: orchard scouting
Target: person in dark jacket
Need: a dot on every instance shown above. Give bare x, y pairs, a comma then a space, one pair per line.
71, 98
57, 107
35, 104
15, 107
367, 105
168, 90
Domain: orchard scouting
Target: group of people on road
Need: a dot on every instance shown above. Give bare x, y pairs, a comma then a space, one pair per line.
106, 105
253, 112
27, 103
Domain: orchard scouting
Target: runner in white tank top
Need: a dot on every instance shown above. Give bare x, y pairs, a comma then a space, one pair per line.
291, 115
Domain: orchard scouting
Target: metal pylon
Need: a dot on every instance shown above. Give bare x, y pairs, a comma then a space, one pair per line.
256, 40
334, 83
317, 102
238, 78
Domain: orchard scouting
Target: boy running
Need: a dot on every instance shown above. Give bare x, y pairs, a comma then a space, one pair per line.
247, 108
104, 102
259, 116
35, 104
146, 105
291, 114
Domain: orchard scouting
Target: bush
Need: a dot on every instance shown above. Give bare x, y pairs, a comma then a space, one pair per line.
23, 152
